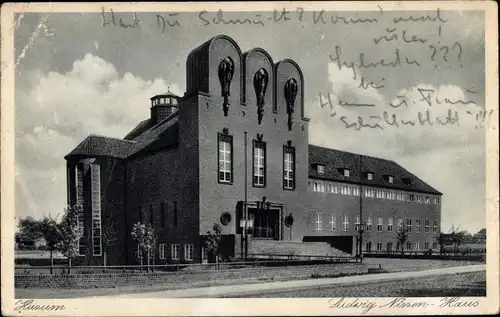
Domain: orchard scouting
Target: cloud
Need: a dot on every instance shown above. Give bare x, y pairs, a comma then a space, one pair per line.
450, 158
54, 112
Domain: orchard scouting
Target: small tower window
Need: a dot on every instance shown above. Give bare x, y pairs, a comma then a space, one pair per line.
369, 176
390, 179
347, 172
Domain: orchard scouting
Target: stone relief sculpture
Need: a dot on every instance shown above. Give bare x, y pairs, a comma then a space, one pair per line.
291, 89
260, 81
226, 72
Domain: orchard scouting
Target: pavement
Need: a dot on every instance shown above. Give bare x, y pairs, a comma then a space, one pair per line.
248, 289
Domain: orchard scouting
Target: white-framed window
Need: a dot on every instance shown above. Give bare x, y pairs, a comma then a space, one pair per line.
408, 225
321, 169
347, 172
368, 246
259, 163
345, 223
435, 226
417, 225
161, 251
369, 176
427, 200
333, 225
426, 245
390, 224
188, 252
174, 251
380, 224
95, 175
319, 222
434, 245
380, 245
426, 225
390, 179
355, 191
357, 223
225, 158
400, 223
369, 224
389, 246
417, 245
336, 189
408, 246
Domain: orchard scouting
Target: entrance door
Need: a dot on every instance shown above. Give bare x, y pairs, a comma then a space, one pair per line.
265, 224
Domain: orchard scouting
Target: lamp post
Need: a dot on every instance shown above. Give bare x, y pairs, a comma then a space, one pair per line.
361, 229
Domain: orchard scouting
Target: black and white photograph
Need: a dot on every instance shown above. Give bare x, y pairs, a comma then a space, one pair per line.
229, 153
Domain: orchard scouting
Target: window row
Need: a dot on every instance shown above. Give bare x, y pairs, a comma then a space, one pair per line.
174, 252
408, 246
353, 190
259, 162
389, 225
147, 213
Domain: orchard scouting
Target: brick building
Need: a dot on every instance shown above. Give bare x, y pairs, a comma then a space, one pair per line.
183, 169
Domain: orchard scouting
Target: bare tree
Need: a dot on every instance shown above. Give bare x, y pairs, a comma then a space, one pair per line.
144, 235
402, 237
212, 242
440, 238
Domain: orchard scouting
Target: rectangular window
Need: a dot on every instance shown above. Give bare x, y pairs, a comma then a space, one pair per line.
336, 189
188, 252
408, 225
175, 214
332, 222
417, 245
151, 215
408, 246
369, 224
225, 158
174, 251
434, 245
417, 225
319, 222
426, 225
95, 175
345, 223
391, 179
162, 207
289, 167
380, 224
321, 169
161, 250
400, 223
412, 197
426, 245
369, 176
347, 173
357, 223
389, 246
389, 225
435, 226
379, 246
259, 163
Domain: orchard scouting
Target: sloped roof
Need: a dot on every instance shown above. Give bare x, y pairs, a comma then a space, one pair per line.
138, 130
334, 161
96, 145
165, 133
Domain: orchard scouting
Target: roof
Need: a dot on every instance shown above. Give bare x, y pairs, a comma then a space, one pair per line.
142, 138
96, 145
167, 94
335, 160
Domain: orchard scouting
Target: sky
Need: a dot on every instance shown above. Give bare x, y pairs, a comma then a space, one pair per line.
76, 77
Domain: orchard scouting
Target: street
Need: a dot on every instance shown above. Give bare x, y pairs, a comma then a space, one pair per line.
462, 284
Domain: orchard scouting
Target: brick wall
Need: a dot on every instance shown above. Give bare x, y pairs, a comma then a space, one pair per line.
109, 280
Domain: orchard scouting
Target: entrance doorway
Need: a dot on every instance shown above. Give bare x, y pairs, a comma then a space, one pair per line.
265, 223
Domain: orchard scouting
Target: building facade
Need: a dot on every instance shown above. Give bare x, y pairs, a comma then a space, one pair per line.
183, 169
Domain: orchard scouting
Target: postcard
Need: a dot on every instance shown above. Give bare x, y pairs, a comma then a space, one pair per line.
257, 158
